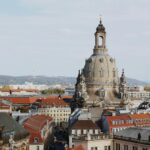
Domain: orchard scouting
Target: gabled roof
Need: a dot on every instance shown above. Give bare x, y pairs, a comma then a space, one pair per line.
20, 100
36, 123
84, 124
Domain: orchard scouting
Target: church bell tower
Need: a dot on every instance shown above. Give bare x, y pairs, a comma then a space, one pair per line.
100, 39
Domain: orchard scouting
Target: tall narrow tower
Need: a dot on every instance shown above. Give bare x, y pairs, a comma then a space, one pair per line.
100, 72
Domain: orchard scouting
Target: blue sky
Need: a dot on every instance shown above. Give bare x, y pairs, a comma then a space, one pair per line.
54, 37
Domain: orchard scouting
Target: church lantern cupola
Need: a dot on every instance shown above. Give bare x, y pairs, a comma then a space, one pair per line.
100, 38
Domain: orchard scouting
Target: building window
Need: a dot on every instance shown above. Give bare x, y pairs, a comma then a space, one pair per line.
94, 148
117, 146
105, 147
84, 131
135, 148
101, 73
96, 131
73, 131
78, 132
91, 131
38, 148
125, 147
114, 73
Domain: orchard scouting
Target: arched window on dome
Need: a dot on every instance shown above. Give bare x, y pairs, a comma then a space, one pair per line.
101, 73
114, 73
100, 41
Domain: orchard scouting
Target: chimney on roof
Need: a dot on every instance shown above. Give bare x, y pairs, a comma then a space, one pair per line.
10, 92
139, 136
114, 114
66, 146
59, 96
144, 112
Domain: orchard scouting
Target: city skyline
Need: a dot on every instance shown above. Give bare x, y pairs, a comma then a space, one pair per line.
43, 38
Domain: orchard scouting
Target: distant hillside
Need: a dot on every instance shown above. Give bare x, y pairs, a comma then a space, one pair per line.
7, 80
136, 82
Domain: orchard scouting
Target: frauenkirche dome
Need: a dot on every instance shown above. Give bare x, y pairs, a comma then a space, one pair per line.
100, 73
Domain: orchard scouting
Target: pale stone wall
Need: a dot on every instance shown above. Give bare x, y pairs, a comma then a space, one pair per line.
100, 144
130, 145
35, 147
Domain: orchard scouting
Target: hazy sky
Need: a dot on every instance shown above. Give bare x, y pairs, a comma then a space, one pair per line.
54, 37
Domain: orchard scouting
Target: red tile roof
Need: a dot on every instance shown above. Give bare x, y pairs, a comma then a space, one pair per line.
37, 122
140, 116
67, 97
20, 100
135, 120
110, 120
53, 101
79, 147
84, 124
34, 124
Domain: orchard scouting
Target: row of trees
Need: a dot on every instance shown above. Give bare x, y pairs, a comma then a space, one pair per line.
147, 88
53, 91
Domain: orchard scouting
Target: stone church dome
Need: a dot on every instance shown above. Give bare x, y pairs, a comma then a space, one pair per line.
100, 75
100, 70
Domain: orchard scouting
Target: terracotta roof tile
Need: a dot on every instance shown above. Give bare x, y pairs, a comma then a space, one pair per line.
140, 116
79, 147
20, 100
84, 124
53, 101
36, 123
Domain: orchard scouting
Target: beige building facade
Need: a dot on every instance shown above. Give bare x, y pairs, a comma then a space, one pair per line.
58, 113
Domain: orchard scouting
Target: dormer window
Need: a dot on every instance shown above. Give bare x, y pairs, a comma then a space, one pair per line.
84, 131
36, 140
73, 131
78, 132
